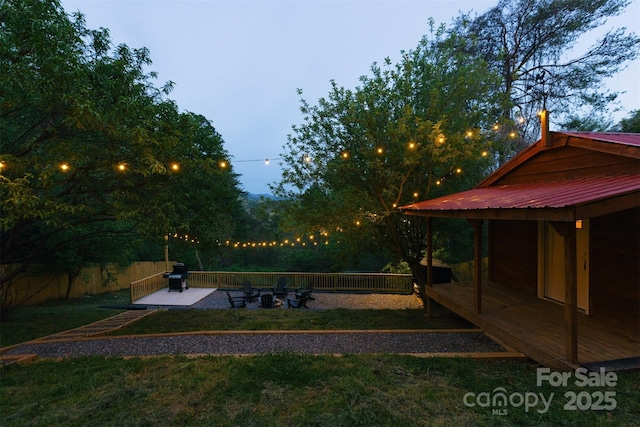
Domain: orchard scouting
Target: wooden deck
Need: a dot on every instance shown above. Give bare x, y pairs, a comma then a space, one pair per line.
535, 327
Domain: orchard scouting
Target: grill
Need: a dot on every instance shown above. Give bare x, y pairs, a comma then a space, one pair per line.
178, 277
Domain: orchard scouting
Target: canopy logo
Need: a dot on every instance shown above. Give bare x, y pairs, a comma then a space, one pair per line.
585, 400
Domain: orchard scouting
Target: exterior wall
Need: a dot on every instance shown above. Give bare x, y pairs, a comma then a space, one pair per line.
569, 162
513, 256
614, 279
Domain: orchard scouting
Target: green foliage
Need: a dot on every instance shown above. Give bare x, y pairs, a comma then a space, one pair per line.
631, 123
70, 98
400, 137
589, 123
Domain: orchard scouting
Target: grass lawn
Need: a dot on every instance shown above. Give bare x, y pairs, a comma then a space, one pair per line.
285, 389
240, 319
292, 390
30, 322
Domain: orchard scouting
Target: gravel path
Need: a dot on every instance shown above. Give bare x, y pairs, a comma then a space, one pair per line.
265, 343
325, 301
246, 342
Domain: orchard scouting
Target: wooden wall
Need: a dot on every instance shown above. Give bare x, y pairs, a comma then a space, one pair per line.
513, 257
569, 162
29, 290
614, 280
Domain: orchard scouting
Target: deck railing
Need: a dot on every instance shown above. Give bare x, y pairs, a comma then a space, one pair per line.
334, 282
146, 286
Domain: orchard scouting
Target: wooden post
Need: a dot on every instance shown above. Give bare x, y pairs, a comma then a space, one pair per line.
429, 263
477, 264
544, 128
568, 231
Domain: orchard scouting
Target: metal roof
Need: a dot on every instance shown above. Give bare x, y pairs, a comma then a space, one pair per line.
561, 200
613, 137
547, 195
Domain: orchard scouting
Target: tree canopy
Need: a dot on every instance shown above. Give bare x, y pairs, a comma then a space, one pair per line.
410, 131
459, 105
91, 149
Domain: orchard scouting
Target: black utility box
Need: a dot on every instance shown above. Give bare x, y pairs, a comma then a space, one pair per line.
178, 277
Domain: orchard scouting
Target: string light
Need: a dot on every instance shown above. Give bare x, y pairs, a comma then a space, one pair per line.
257, 160
64, 167
175, 167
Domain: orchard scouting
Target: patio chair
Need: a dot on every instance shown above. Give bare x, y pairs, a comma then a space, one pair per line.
309, 288
280, 289
300, 300
236, 301
250, 293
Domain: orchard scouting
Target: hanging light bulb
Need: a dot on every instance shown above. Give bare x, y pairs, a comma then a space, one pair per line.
266, 162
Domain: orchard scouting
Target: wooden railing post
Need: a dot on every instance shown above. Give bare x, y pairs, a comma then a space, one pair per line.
427, 300
477, 261
568, 231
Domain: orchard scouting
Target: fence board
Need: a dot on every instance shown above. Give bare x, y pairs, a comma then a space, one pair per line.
27, 289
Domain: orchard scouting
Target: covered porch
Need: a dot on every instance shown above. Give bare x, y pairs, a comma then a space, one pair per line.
536, 327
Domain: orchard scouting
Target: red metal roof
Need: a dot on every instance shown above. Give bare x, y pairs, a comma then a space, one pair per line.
613, 137
558, 194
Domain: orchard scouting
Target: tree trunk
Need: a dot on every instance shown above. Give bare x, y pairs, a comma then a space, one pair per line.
71, 276
199, 261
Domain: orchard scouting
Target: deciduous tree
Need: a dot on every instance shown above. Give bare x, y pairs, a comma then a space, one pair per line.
530, 44
410, 131
91, 148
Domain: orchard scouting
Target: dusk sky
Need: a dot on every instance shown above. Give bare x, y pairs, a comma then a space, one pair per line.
239, 63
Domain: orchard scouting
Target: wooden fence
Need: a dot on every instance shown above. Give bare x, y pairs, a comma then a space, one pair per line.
27, 289
335, 282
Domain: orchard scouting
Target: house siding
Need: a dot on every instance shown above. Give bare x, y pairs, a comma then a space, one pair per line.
569, 162
614, 279
514, 254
